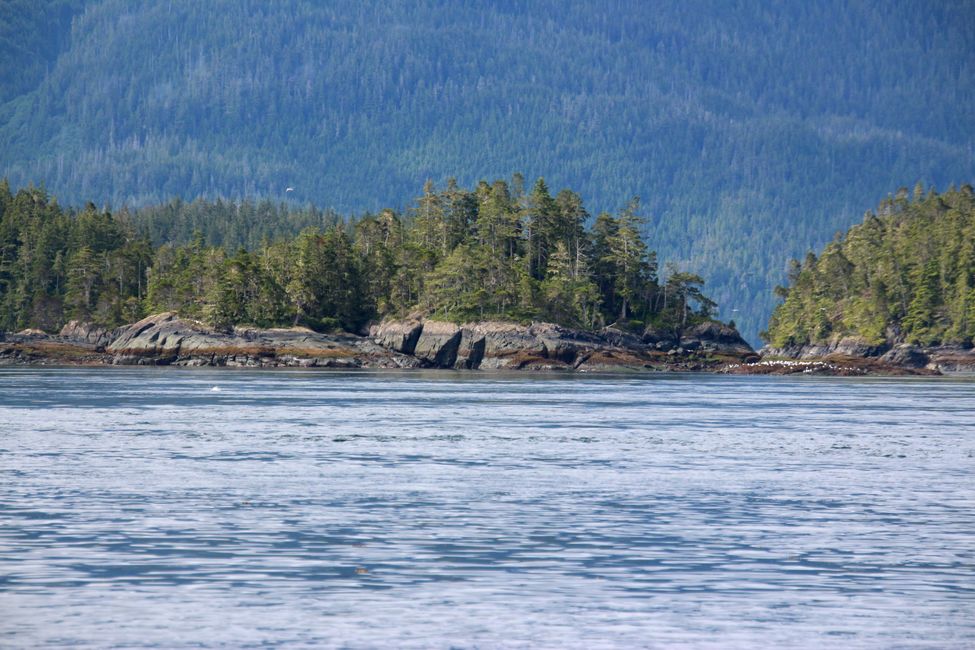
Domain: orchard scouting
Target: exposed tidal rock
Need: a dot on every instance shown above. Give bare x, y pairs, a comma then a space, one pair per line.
951, 358
87, 333
438, 344
661, 338
166, 339
882, 358
847, 346
569, 345
470, 350
908, 356
498, 344
160, 337
715, 337
31, 333
401, 336
620, 338
510, 345
505, 345
35, 347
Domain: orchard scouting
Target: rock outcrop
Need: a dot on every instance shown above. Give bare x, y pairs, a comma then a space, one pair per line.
504, 345
716, 337
438, 344
847, 346
470, 350
87, 333
881, 357
509, 345
167, 339
909, 356
401, 336
950, 358
660, 338
31, 333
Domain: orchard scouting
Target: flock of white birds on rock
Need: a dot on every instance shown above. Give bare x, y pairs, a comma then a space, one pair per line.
807, 366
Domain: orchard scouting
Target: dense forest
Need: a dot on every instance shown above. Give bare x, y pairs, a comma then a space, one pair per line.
906, 274
752, 130
499, 250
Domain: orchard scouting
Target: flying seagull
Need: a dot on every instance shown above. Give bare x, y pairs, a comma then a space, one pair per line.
290, 189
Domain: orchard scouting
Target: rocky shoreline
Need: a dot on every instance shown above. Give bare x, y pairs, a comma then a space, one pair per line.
853, 355
168, 340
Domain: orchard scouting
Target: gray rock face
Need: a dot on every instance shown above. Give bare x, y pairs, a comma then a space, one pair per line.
852, 346
470, 350
508, 345
951, 359
942, 358
438, 344
715, 337
401, 336
87, 333
31, 333
563, 344
621, 338
167, 339
661, 339
849, 346
497, 345
909, 356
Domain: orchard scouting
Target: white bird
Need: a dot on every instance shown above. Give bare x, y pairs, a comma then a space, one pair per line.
290, 189
215, 389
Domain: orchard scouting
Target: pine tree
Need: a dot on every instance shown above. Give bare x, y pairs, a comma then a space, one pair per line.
82, 272
628, 254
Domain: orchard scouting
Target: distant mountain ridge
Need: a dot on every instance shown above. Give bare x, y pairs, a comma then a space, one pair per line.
751, 132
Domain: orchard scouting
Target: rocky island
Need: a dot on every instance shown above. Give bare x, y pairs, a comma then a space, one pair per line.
502, 276
895, 291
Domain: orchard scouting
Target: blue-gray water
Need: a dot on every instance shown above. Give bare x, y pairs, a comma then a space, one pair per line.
143, 508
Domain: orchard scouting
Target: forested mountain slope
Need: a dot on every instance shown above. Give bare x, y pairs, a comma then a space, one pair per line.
752, 132
904, 275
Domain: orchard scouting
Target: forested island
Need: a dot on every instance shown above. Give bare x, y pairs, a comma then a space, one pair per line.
494, 252
497, 253
899, 287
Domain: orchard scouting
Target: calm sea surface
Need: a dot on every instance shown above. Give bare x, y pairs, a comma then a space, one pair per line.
198, 508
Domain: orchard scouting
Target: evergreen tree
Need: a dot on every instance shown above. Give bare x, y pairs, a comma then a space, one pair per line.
635, 267
82, 272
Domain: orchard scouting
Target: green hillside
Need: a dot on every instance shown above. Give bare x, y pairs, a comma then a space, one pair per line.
751, 131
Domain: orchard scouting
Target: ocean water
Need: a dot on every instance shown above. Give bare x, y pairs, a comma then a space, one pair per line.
218, 508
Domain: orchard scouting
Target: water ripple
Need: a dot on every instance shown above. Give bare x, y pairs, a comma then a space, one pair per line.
138, 508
